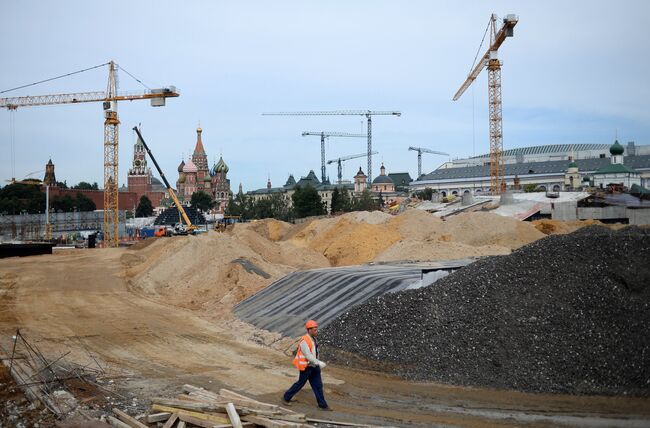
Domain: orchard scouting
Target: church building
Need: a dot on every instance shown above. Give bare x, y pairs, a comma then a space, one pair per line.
196, 176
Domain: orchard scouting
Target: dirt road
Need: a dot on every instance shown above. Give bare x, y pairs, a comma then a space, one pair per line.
80, 301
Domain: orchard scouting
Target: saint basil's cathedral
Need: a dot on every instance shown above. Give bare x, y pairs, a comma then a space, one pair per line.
193, 176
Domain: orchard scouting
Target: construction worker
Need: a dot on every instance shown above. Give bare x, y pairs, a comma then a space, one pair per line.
306, 360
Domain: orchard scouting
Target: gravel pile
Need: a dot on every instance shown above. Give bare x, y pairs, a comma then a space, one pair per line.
566, 314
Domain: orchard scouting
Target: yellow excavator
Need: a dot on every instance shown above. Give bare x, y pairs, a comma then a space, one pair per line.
188, 227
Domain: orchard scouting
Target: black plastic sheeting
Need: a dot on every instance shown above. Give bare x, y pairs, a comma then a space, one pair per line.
323, 294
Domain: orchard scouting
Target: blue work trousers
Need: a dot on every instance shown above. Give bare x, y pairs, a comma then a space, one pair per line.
311, 374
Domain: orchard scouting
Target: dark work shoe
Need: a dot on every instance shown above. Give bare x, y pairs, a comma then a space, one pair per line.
285, 402
326, 409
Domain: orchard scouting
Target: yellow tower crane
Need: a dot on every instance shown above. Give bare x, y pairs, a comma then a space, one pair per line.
491, 60
111, 133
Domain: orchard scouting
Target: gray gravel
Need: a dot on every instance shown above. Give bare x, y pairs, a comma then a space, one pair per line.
566, 314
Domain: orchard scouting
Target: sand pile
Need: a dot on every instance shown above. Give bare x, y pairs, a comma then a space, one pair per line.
557, 227
353, 238
426, 237
198, 272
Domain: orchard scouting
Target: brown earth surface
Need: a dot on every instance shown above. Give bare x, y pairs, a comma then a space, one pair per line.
158, 316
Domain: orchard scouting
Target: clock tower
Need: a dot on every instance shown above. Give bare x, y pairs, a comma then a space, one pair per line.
139, 178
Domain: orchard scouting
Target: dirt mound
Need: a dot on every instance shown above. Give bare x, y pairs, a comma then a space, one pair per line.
271, 229
555, 227
209, 272
483, 228
568, 313
436, 249
353, 238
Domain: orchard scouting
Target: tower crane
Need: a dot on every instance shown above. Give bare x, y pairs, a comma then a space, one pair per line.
490, 60
421, 150
109, 98
343, 159
367, 113
327, 134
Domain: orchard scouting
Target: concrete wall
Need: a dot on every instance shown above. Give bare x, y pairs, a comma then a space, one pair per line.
569, 211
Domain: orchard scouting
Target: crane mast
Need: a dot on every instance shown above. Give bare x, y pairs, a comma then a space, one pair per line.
345, 158
111, 134
367, 113
490, 60
421, 150
323, 135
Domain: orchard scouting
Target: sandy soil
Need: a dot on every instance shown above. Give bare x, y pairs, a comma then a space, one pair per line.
87, 301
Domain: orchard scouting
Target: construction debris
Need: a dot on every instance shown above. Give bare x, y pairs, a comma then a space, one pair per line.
202, 408
568, 313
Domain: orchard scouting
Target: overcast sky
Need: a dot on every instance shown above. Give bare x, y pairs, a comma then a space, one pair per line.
574, 72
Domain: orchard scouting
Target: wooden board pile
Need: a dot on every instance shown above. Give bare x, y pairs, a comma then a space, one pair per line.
198, 407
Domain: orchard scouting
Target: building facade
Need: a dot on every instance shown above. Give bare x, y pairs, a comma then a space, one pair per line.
548, 175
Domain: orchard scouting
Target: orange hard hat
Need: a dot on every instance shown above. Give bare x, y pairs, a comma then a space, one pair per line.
311, 324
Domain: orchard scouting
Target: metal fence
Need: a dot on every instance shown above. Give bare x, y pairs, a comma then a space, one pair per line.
29, 227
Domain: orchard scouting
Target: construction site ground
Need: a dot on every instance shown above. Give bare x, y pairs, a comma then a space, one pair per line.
152, 341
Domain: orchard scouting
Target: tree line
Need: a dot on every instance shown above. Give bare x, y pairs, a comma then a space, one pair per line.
305, 202
18, 198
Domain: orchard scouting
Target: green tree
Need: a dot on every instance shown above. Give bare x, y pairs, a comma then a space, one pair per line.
65, 203
365, 202
307, 202
18, 197
86, 186
341, 201
84, 203
145, 208
202, 201
425, 194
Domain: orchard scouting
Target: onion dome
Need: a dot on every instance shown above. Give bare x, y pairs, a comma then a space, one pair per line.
190, 167
573, 164
220, 167
616, 149
180, 166
207, 178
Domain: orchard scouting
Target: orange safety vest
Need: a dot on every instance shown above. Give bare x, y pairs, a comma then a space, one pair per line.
300, 361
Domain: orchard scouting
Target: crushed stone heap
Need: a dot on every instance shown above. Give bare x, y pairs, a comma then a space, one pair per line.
565, 314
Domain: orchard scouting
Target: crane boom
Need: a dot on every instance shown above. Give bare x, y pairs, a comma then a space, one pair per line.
490, 60
506, 30
367, 113
180, 208
323, 135
83, 97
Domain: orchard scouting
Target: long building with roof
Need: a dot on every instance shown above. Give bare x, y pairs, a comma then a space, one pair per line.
550, 152
549, 175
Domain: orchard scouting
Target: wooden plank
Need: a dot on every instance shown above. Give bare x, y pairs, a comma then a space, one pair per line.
208, 424
158, 417
347, 424
189, 405
246, 401
114, 422
204, 416
181, 424
191, 388
232, 414
132, 422
266, 423
274, 423
171, 421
